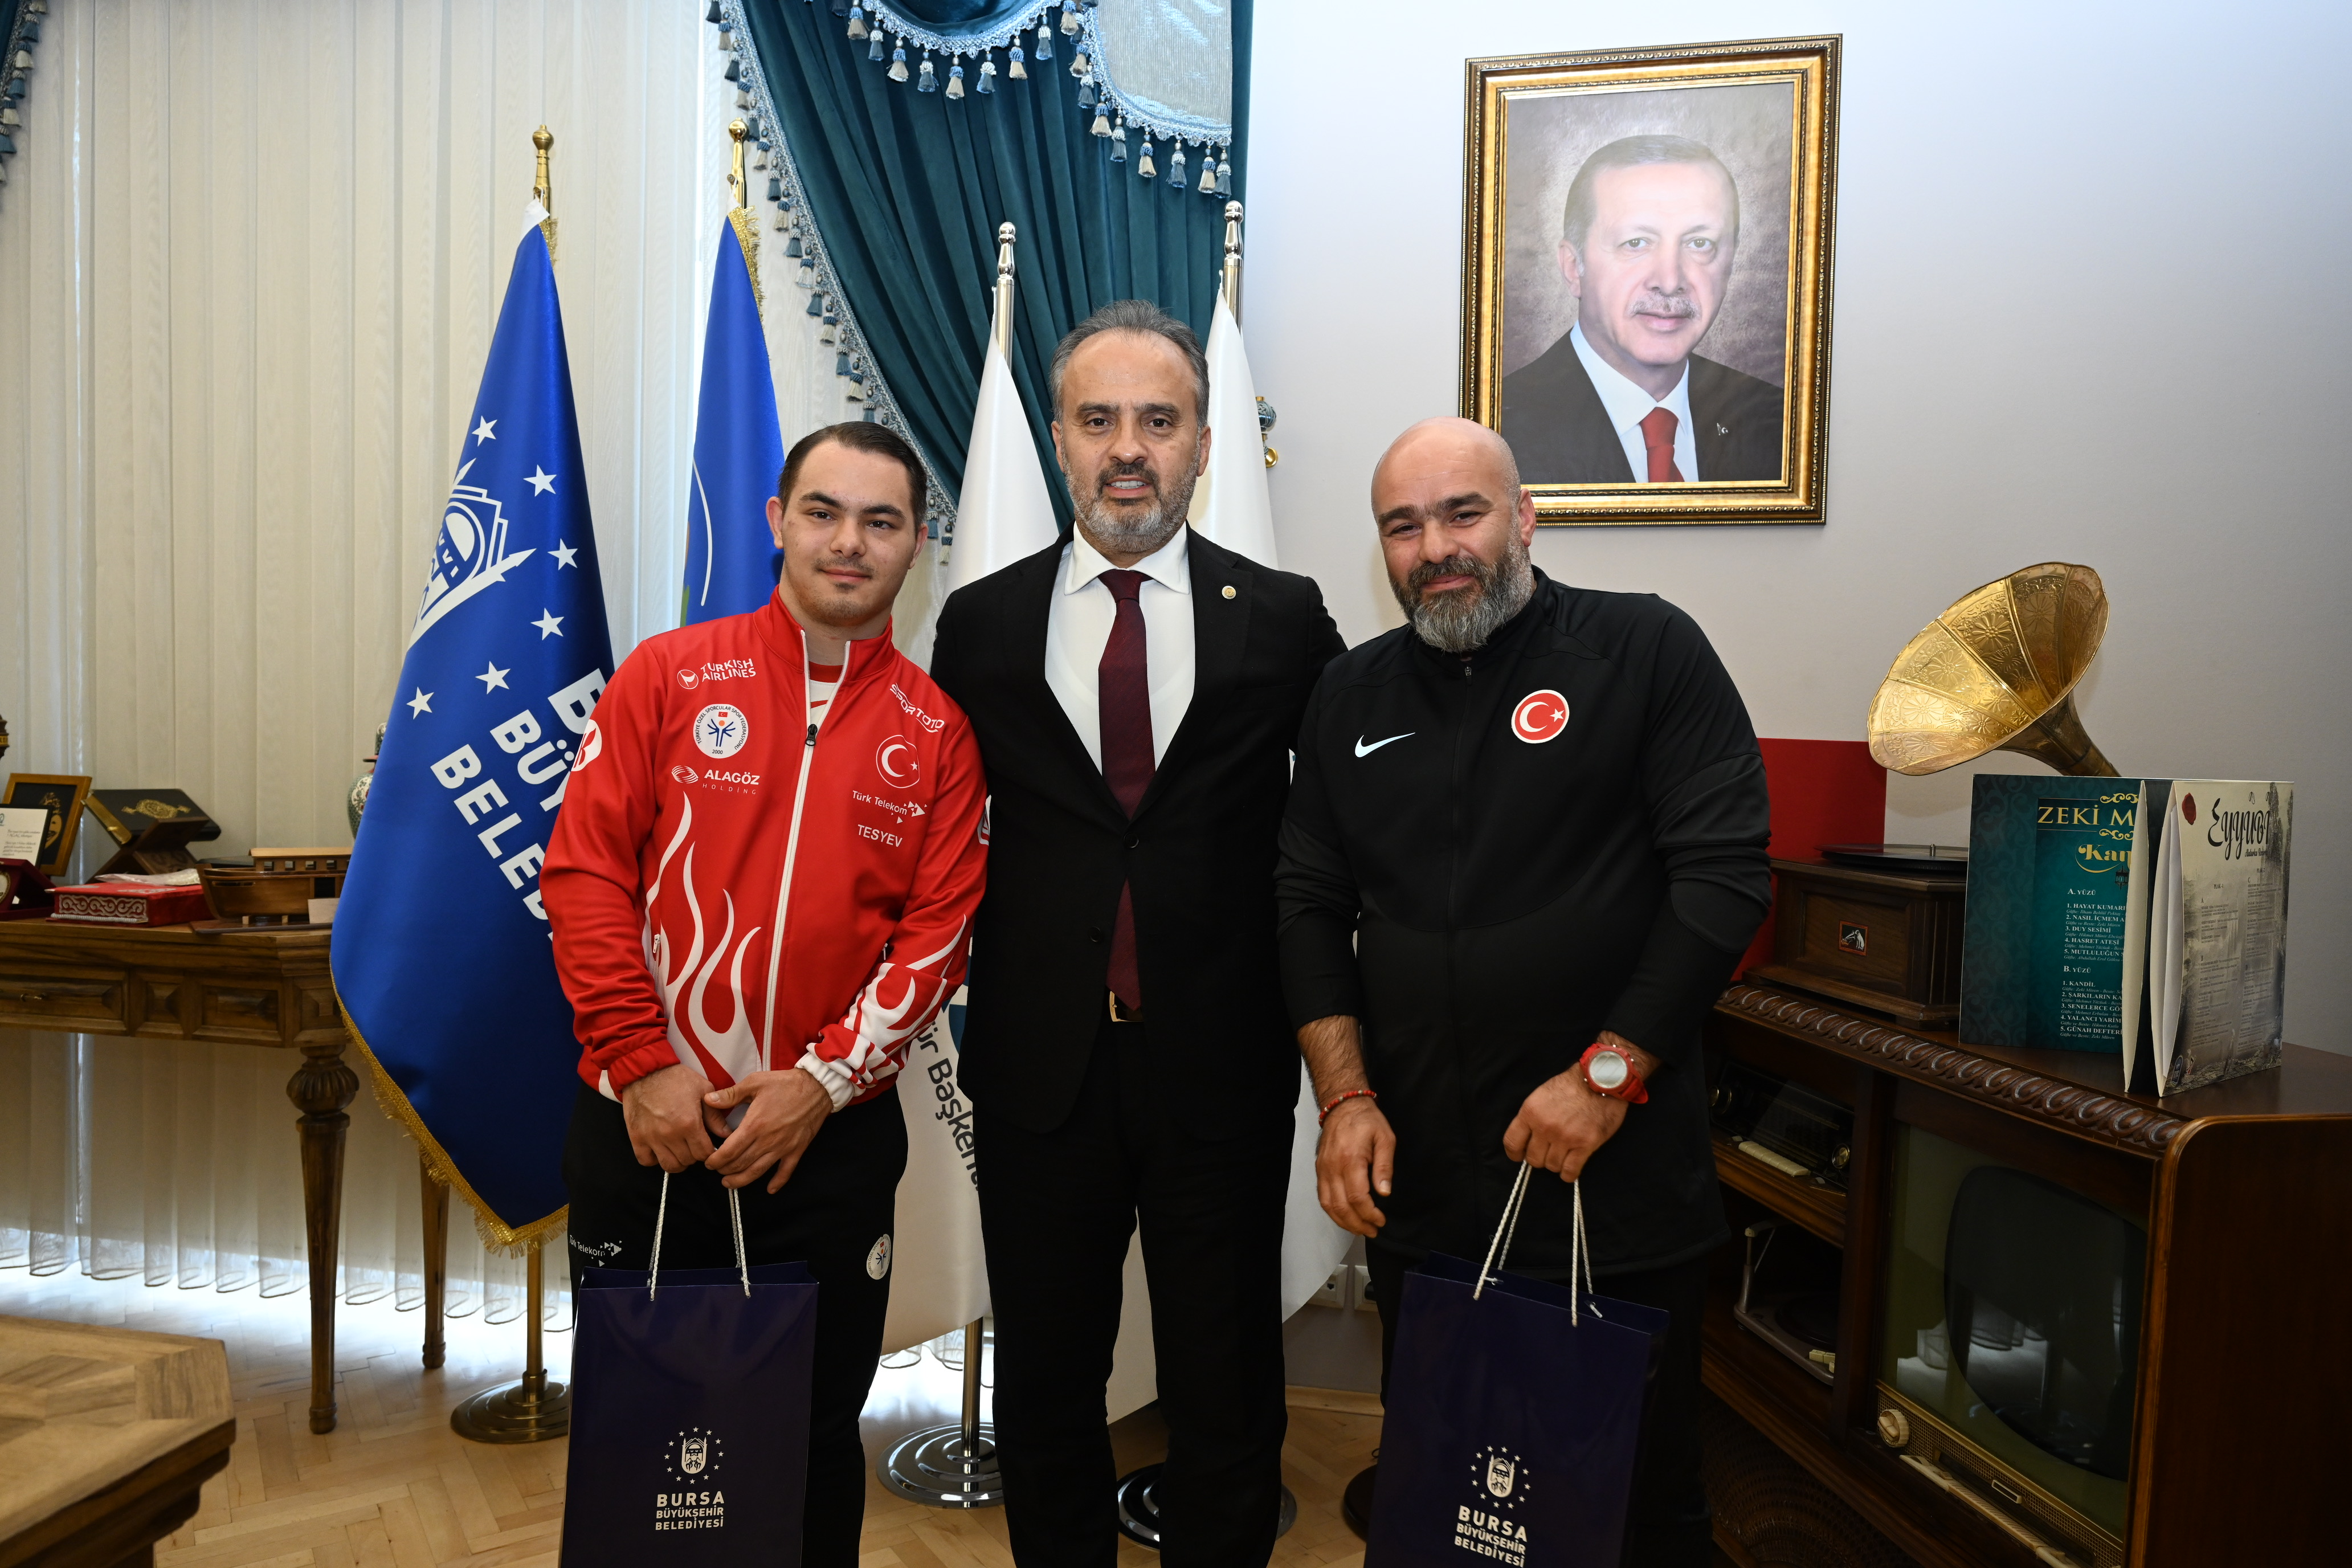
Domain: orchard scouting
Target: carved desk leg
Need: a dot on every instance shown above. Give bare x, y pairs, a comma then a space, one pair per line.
436, 1264
320, 1089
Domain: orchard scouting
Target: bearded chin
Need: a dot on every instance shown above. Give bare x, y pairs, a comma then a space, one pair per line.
1462, 620
1128, 532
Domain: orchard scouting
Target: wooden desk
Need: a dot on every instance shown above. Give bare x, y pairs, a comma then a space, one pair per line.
106, 1437
252, 987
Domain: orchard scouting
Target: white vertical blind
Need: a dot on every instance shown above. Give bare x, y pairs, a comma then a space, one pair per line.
250, 259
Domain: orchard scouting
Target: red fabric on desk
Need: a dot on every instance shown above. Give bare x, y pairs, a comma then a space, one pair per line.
147, 906
1823, 791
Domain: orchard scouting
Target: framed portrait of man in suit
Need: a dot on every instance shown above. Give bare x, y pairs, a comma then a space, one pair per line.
1646, 259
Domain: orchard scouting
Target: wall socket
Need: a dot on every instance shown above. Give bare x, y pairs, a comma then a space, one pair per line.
1359, 1288
1334, 1291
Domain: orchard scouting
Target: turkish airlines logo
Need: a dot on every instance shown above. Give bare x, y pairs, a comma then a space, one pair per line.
1539, 716
688, 679
592, 746
897, 763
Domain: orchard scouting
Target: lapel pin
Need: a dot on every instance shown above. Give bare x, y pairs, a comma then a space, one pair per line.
1229, 590
1722, 429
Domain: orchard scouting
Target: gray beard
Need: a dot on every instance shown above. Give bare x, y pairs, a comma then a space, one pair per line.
1134, 535
1461, 621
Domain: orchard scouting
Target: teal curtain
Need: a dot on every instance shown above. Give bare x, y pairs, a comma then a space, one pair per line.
907, 189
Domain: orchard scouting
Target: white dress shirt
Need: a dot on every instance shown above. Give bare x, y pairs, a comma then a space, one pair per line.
1628, 405
1077, 629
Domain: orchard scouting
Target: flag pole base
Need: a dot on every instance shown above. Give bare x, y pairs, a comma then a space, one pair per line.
1138, 1510
1356, 1502
934, 1466
523, 1411
529, 1409
950, 1466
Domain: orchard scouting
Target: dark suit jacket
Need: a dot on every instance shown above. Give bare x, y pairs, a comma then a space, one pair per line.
1562, 435
1198, 853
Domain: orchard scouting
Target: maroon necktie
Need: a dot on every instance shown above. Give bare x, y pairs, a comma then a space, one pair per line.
1658, 435
1123, 686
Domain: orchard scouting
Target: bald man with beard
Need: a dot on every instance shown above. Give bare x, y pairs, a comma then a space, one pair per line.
1523, 847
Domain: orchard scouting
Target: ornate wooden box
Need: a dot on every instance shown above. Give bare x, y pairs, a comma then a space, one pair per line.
1886, 939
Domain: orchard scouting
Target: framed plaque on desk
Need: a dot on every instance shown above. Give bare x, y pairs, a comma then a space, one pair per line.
59, 794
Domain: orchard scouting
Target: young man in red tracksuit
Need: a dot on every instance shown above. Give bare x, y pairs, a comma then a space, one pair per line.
761, 886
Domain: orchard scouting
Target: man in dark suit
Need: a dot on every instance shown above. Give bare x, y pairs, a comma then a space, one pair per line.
1135, 689
1647, 236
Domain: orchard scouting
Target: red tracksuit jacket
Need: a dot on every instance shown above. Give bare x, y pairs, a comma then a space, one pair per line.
734, 877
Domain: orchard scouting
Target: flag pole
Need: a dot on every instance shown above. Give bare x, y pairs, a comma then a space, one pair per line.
530, 1409
1234, 259
1003, 320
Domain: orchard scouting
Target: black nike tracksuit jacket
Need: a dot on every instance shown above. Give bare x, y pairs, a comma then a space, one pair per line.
1487, 881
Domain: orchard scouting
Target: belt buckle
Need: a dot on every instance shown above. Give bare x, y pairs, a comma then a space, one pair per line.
1118, 1013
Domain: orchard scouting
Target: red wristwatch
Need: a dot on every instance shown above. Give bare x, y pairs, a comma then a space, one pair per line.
1610, 1071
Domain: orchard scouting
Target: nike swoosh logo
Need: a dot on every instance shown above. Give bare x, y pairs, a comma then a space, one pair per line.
1364, 751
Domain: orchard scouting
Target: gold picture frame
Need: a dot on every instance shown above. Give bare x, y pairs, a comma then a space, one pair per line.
1634, 148
63, 795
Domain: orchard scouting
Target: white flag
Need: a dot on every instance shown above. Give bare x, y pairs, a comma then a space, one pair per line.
1230, 506
1004, 514
939, 1274
1005, 511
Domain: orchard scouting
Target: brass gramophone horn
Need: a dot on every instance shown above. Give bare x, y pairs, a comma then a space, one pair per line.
1997, 672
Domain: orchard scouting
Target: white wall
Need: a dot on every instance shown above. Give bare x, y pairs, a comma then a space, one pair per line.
2090, 305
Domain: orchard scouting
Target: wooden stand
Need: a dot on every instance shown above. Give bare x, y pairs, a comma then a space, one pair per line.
2247, 1192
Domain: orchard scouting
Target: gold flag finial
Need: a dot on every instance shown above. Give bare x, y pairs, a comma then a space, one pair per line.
542, 188
739, 216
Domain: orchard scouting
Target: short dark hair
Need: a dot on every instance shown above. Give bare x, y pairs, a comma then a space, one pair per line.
1576, 213
860, 435
1134, 316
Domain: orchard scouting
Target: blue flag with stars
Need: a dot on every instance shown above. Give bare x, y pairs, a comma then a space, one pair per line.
441, 951
731, 557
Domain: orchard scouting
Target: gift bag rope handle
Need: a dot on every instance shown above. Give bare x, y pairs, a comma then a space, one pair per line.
661, 1212
1499, 1249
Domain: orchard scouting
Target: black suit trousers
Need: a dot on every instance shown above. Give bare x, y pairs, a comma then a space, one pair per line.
839, 1203
1671, 1524
1058, 1209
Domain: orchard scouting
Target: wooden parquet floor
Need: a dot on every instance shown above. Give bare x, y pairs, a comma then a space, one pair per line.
393, 1487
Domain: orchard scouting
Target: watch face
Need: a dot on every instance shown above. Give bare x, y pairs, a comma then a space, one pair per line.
1606, 1070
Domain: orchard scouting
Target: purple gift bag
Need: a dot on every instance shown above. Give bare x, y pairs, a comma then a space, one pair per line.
1514, 1416
689, 1414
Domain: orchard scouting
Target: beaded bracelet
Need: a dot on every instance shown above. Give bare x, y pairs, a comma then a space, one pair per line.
1333, 1103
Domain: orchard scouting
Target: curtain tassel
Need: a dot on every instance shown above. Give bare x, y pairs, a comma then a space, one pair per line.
1225, 173
1082, 67
1144, 168
1069, 20
734, 69
1045, 42
775, 187
1101, 126
873, 48
1087, 94
955, 81
716, 14
1118, 141
898, 63
1014, 67
817, 305
840, 364
792, 247
1208, 185
1176, 181
857, 28
930, 82
987, 82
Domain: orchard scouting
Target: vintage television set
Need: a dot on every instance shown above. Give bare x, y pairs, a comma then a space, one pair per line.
2072, 1326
